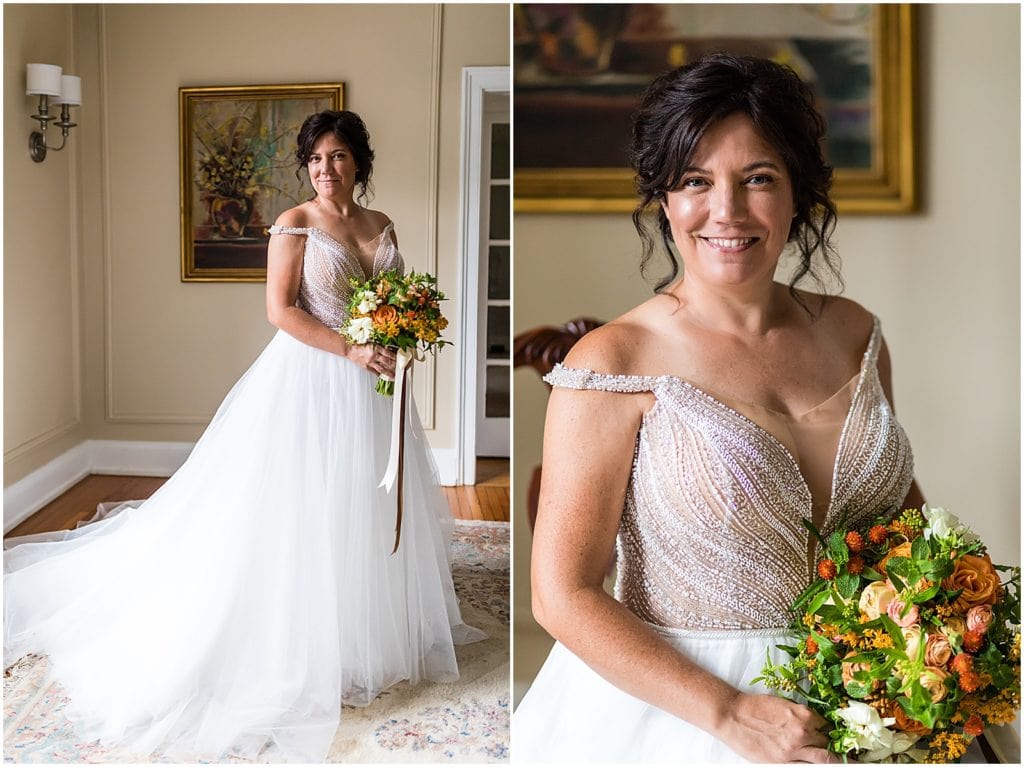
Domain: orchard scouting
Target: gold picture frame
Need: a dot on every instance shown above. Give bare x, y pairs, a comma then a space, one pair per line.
237, 161
886, 183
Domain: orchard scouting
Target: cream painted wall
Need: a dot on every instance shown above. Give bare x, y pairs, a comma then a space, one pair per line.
42, 321
160, 354
945, 283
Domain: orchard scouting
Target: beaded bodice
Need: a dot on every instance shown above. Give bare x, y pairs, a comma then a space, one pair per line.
711, 534
327, 267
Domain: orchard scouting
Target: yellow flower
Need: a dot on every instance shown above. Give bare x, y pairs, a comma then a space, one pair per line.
877, 639
946, 747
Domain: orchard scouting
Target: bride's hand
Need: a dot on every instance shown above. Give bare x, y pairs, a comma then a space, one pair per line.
376, 359
765, 728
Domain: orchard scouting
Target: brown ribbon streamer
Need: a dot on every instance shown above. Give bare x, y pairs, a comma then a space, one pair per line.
401, 463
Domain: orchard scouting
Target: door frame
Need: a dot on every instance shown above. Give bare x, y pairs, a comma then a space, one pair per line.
476, 83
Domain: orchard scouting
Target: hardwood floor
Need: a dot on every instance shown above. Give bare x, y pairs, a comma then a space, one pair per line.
487, 500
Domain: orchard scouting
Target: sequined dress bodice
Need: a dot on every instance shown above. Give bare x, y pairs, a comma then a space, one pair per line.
328, 266
711, 535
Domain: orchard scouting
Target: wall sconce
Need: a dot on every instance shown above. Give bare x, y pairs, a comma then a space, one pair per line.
48, 81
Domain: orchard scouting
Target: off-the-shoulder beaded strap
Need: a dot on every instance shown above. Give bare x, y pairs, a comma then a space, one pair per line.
875, 342
579, 378
275, 229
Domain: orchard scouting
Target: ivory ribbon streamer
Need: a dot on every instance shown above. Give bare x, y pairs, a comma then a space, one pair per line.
394, 468
403, 361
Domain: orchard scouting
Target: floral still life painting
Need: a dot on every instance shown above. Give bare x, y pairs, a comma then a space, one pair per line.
238, 173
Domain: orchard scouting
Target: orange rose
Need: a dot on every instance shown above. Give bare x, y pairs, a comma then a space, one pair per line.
382, 315
903, 550
977, 578
905, 723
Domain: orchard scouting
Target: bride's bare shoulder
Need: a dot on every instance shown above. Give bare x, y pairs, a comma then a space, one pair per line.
849, 323
620, 347
298, 217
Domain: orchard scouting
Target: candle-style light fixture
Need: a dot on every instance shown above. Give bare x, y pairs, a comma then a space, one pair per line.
49, 82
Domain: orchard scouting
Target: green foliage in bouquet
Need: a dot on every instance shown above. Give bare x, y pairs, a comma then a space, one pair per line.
908, 642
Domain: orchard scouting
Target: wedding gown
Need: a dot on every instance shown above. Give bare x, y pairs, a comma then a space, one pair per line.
711, 550
235, 609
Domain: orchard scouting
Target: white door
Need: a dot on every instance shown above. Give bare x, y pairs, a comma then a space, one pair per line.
494, 352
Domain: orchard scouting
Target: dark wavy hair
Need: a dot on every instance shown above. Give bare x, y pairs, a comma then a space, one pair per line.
679, 107
346, 126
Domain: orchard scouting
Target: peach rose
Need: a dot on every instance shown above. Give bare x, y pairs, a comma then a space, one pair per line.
979, 618
902, 619
875, 599
978, 579
932, 680
903, 550
937, 651
849, 669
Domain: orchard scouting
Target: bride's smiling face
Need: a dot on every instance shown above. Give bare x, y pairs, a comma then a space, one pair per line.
731, 212
332, 167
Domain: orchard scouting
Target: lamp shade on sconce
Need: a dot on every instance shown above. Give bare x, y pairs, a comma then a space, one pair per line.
71, 91
44, 80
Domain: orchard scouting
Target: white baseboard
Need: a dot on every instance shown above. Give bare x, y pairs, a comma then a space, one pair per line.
29, 494
447, 461
143, 459
148, 459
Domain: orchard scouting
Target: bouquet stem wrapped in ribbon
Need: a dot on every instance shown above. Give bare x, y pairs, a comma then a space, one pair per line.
402, 313
908, 643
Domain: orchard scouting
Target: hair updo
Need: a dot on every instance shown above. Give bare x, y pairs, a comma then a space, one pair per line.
679, 107
346, 126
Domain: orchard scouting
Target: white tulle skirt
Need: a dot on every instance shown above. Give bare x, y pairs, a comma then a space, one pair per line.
571, 714
256, 590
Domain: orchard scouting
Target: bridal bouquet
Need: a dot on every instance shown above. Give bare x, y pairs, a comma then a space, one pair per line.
908, 644
400, 312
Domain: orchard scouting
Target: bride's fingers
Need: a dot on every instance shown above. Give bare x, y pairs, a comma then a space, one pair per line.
813, 755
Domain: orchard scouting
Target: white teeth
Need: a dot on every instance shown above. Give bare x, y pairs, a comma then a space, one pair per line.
731, 243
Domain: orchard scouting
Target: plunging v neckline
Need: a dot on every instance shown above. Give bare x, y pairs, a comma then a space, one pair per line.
345, 249
773, 440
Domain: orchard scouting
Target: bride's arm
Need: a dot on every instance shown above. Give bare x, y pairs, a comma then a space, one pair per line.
589, 440
284, 273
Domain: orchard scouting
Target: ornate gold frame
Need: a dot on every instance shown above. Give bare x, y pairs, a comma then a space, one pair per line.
187, 99
889, 187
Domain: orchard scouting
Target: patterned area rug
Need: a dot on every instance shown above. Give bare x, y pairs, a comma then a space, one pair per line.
465, 721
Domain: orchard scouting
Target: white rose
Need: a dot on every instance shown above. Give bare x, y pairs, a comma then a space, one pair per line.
942, 525
359, 330
875, 599
867, 730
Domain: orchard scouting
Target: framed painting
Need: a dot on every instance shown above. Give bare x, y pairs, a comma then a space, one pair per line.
580, 70
237, 150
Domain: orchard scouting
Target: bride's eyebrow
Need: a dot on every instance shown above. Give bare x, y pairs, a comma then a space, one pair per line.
744, 169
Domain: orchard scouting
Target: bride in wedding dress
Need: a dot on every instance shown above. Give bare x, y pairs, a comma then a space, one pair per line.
254, 592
